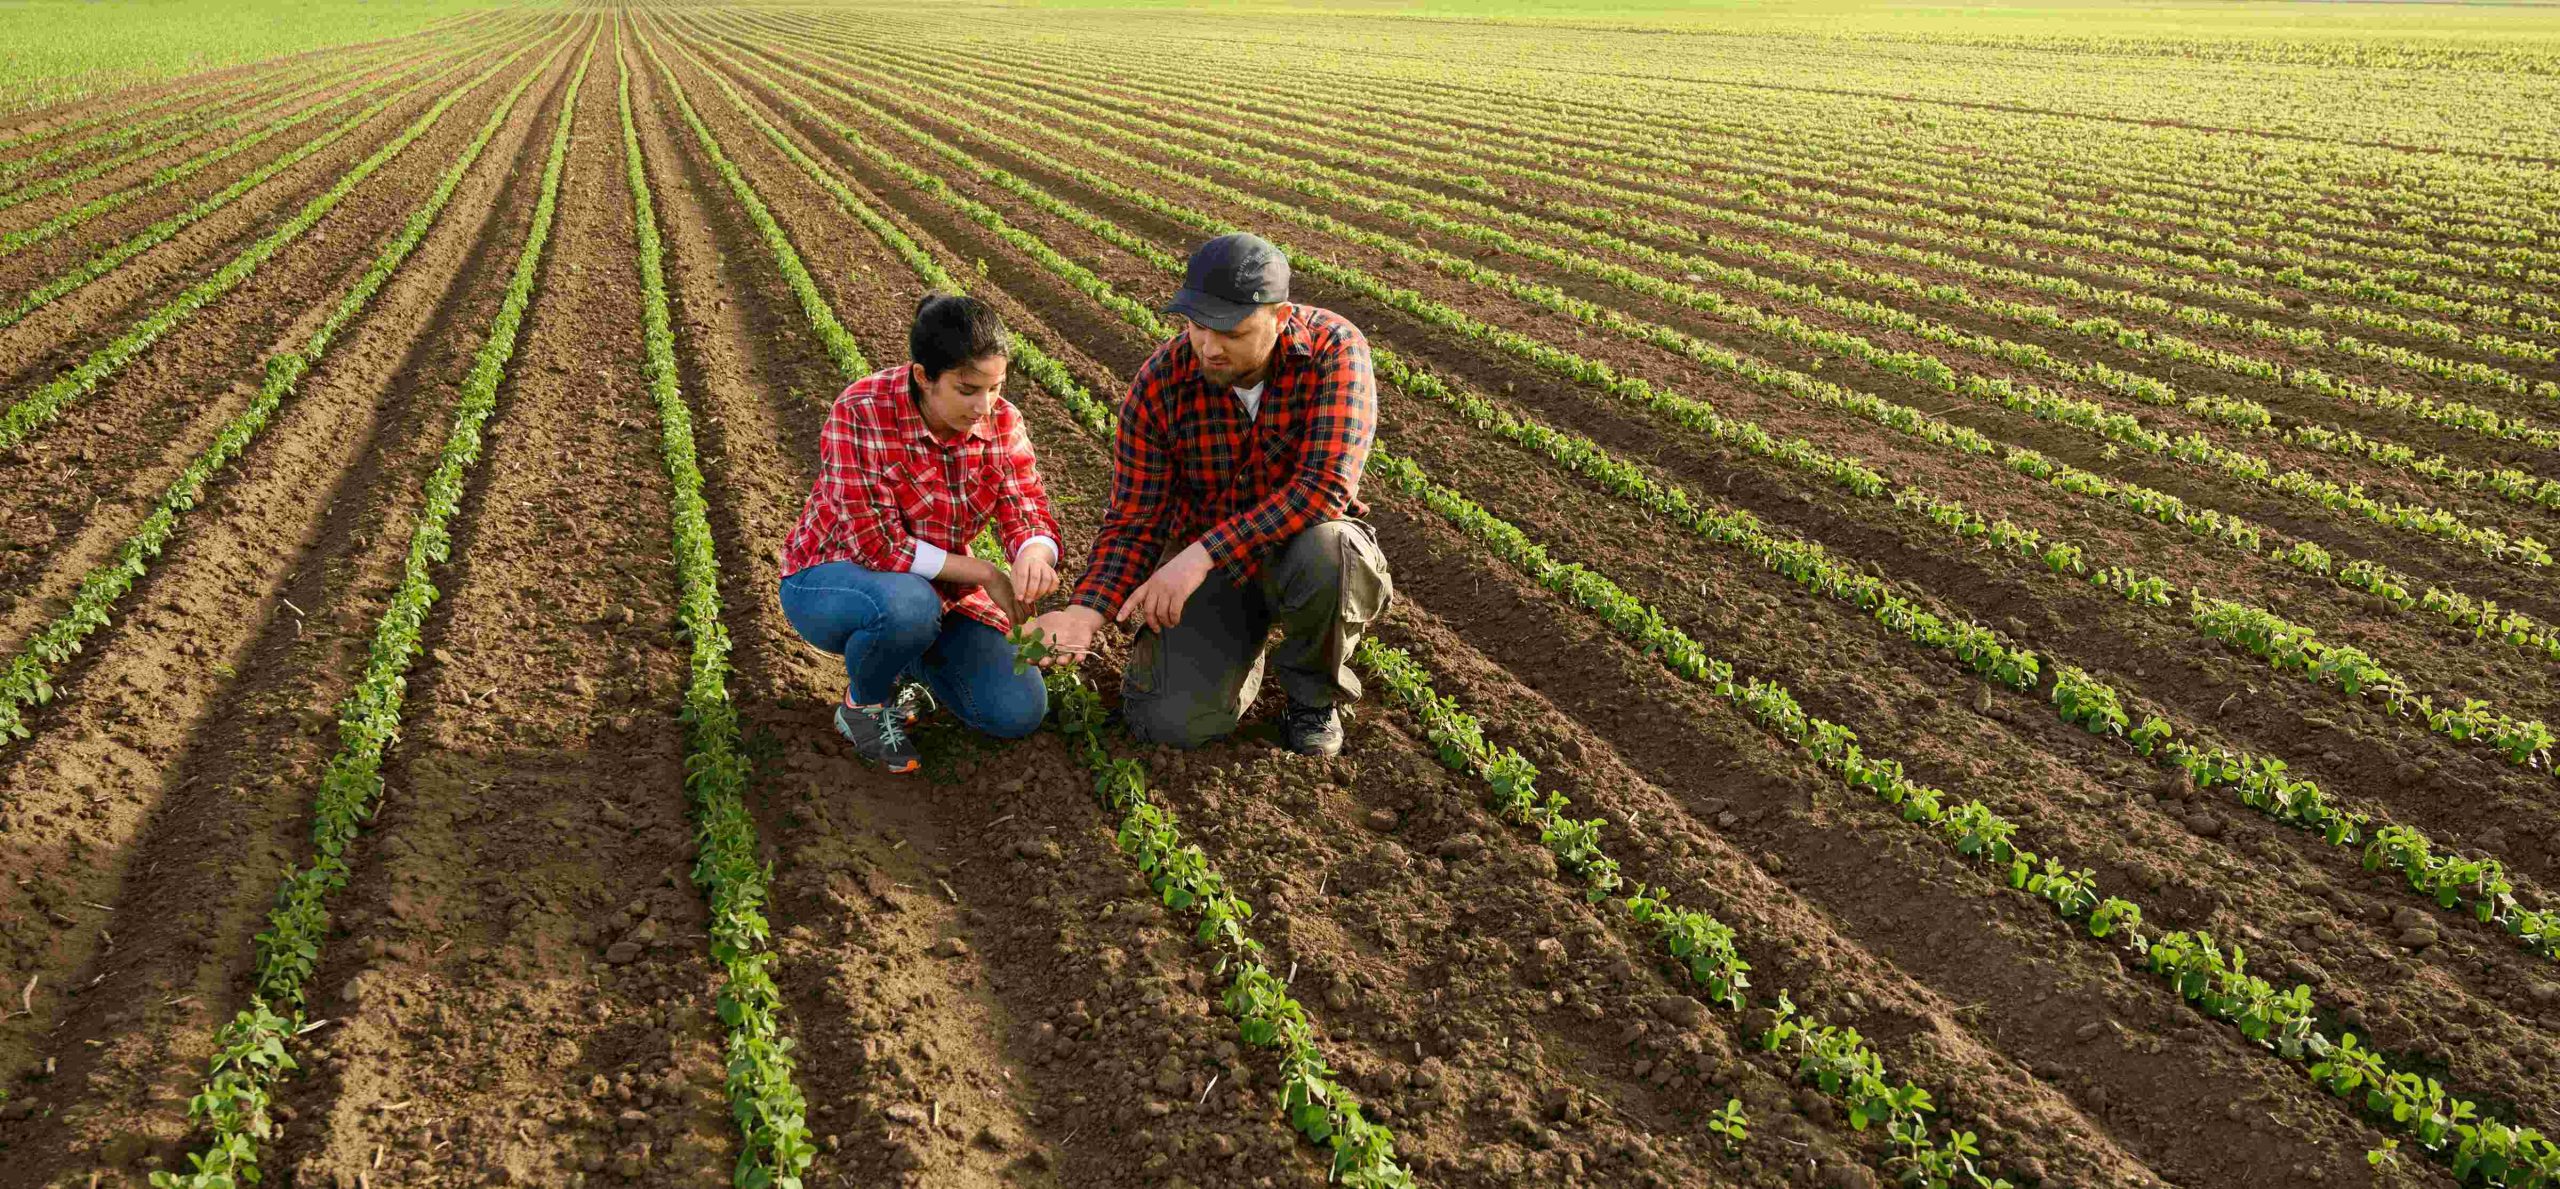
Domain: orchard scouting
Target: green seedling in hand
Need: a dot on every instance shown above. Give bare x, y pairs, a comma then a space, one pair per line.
1031, 647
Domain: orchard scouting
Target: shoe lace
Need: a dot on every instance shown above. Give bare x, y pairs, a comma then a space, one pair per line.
891, 733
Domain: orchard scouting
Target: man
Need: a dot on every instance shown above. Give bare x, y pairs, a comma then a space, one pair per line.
1237, 478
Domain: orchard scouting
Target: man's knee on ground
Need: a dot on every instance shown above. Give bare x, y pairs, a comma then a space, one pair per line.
1168, 721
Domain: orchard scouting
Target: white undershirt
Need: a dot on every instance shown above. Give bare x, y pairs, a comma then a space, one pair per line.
1251, 399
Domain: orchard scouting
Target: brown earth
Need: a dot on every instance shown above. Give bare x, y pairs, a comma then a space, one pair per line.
980, 988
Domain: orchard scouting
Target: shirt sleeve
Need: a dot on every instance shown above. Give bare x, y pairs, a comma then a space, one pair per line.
1023, 514
1132, 531
855, 458
1342, 418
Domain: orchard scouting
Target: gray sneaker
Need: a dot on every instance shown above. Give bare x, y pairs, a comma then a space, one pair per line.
1312, 730
878, 735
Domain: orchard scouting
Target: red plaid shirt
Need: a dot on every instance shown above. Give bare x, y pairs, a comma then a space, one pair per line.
1190, 465
885, 483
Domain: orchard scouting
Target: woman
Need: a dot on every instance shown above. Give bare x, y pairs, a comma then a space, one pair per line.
913, 462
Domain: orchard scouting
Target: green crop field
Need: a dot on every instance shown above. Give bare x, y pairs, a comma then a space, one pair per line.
1974, 599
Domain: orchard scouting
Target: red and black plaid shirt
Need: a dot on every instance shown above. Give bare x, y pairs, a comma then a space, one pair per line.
885, 482
1191, 465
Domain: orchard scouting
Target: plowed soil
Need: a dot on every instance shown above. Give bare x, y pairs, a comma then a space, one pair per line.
979, 986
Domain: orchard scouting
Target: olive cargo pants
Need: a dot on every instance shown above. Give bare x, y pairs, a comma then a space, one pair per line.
1192, 683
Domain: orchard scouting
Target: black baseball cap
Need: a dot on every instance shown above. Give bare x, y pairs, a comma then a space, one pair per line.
1230, 277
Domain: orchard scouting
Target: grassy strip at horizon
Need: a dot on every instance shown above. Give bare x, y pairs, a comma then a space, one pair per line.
2249, 416
1751, 192
2479, 887
109, 259
251, 1051
2476, 720
764, 1097
169, 175
1362, 1152
50, 41
38, 409
1365, 170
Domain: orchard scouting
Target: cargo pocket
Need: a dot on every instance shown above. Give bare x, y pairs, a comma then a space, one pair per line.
1367, 588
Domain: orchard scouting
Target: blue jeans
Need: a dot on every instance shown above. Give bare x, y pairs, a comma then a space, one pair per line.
889, 626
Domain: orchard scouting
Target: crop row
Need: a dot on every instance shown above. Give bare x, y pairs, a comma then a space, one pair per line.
2261, 782
771, 1111
2270, 1016
108, 259
1846, 153
26, 680
2281, 1019
1947, 515
95, 169
2139, 196
1634, 185
1835, 1059
38, 408
1373, 172
2088, 416
113, 137
2204, 238
111, 115
2202, 172
2208, 975
1363, 1152
250, 1052
1431, 127
172, 174
2401, 271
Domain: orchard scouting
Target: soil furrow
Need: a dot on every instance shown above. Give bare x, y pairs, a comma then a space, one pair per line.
117, 449
522, 985
202, 712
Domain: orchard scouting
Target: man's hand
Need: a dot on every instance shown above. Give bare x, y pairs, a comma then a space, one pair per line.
1069, 632
1035, 574
1158, 602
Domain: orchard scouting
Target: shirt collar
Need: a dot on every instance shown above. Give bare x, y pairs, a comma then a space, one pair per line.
911, 415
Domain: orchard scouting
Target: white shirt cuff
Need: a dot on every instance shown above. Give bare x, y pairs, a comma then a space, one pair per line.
929, 559
1055, 553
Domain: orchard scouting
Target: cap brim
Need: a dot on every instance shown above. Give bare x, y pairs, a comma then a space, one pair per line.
1216, 313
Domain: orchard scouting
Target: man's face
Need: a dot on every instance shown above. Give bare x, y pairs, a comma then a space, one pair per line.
1236, 357
958, 399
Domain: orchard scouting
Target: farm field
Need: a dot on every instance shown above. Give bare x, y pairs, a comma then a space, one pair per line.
1976, 604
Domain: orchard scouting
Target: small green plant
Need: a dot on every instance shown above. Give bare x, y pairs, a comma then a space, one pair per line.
1732, 1124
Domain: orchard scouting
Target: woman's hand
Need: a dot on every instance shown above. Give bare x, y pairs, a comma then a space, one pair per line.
1000, 588
1035, 574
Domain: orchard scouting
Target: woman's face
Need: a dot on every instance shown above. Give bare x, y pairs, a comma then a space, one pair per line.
957, 400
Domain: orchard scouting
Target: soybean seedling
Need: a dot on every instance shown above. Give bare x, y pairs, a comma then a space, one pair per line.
1732, 1124
1030, 647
